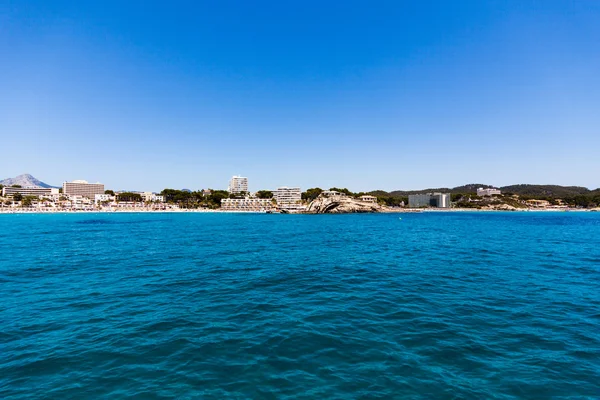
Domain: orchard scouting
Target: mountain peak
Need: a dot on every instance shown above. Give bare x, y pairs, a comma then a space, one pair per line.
25, 180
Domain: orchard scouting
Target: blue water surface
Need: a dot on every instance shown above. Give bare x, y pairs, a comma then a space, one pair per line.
403, 306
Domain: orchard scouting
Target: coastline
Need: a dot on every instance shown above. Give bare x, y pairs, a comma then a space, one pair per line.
389, 211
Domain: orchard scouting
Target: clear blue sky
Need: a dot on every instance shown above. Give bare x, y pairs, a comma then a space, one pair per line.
360, 94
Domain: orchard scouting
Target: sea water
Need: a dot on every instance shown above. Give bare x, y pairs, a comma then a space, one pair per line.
408, 306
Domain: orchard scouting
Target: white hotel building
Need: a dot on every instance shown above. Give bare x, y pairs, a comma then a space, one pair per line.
288, 198
83, 188
487, 192
247, 204
238, 184
9, 191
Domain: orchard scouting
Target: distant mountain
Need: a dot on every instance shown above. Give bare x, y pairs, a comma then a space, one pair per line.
554, 191
545, 190
24, 181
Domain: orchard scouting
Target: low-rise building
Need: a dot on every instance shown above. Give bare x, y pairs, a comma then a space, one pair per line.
368, 199
100, 198
488, 192
152, 197
9, 191
437, 200
332, 193
247, 204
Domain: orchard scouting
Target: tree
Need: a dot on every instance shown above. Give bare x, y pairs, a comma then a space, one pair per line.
129, 196
264, 194
18, 197
17, 186
28, 201
110, 192
311, 194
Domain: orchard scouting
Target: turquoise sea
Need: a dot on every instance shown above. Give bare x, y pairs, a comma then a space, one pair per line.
256, 306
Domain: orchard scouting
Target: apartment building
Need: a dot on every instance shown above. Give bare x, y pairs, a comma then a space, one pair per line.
247, 204
288, 198
238, 184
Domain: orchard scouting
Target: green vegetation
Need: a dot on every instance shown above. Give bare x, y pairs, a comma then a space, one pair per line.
311, 194
18, 197
239, 195
110, 192
128, 196
16, 186
544, 191
195, 199
264, 194
342, 190
28, 201
392, 201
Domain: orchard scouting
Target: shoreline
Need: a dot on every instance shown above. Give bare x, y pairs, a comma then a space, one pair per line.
205, 211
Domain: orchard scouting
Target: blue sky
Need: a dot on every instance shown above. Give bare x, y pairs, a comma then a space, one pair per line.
365, 95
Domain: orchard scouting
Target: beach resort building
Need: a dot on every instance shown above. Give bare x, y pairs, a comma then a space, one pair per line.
83, 188
152, 197
100, 198
437, 200
247, 204
28, 191
368, 199
487, 192
238, 184
288, 198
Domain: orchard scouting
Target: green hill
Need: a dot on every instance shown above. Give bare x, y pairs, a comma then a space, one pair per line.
542, 191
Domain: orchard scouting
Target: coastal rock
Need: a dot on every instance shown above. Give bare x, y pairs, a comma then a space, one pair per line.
342, 205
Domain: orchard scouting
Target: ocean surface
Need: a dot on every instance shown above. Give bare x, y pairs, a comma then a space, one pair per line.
256, 306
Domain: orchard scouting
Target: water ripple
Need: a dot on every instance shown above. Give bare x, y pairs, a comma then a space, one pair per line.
456, 305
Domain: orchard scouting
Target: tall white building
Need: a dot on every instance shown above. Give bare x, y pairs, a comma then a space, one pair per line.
439, 200
83, 188
238, 184
288, 198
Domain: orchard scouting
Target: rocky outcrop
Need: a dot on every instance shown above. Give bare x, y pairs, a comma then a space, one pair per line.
342, 205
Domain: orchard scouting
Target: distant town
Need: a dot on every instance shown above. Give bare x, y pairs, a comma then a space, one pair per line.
80, 195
